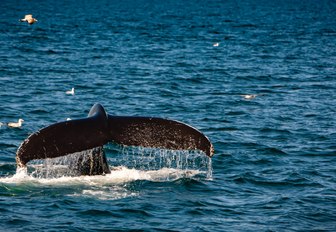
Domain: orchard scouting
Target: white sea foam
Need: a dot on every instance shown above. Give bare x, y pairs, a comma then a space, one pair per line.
118, 175
104, 187
106, 194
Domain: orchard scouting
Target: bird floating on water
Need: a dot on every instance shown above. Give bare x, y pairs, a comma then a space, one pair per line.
16, 124
29, 19
249, 96
216, 44
71, 92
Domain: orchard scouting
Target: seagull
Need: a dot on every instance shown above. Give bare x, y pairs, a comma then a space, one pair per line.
216, 44
16, 124
68, 119
29, 19
72, 91
249, 96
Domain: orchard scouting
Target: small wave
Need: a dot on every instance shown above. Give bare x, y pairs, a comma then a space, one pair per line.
245, 25
97, 213
16, 221
7, 168
273, 151
274, 130
39, 111
290, 179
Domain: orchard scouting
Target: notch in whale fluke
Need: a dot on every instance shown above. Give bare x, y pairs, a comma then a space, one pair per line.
99, 128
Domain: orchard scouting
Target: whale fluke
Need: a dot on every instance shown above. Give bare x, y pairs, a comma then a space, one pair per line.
99, 128
157, 133
65, 138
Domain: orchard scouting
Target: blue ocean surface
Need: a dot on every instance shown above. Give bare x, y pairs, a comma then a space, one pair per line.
274, 167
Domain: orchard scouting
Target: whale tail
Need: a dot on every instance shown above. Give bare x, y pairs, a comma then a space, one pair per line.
99, 128
157, 133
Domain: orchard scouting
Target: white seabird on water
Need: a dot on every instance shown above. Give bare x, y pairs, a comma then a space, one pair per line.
216, 44
29, 19
71, 92
16, 124
249, 96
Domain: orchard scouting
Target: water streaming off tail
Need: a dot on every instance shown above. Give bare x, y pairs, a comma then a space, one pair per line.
155, 159
138, 158
58, 167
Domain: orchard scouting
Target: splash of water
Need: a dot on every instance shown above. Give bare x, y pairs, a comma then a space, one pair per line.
168, 164
155, 159
129, 164
21, 173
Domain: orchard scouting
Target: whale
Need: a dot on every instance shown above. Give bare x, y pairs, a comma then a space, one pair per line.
88, 136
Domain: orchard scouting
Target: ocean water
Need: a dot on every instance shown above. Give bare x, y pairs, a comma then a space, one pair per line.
275, 154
